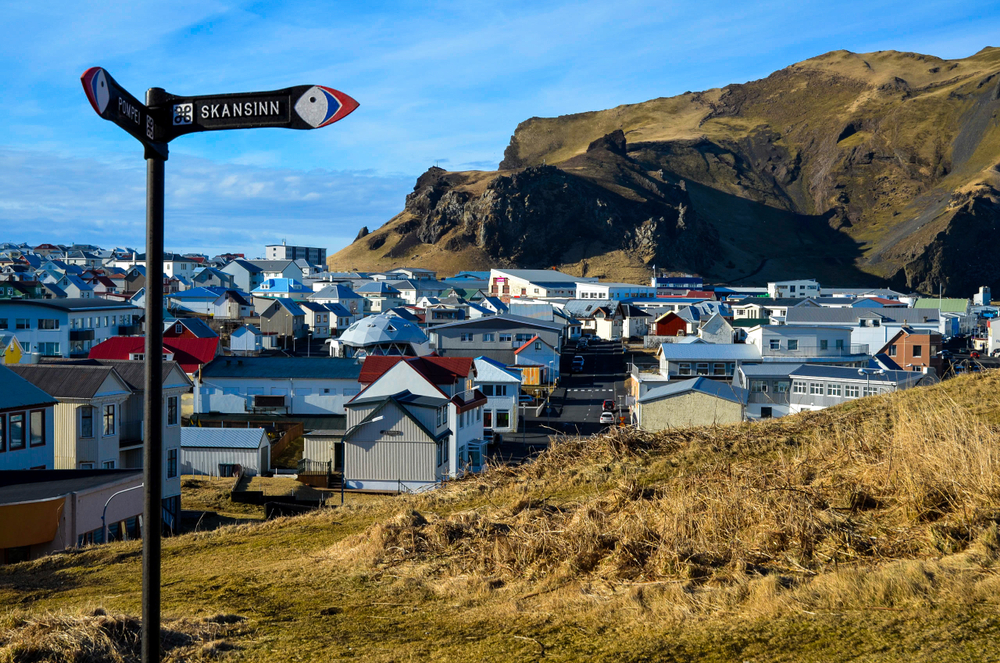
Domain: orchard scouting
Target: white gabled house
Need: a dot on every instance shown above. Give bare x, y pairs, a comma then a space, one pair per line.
418, 421
502, 388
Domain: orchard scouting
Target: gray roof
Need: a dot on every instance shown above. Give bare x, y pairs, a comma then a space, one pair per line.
245, 264
768, 370
16, 391
338, 309
329, 368
851, 316
223, 438
404, 397
378, 288
584, 308
709, 351
769, 301
272, 265
716, 388
336, 291
66, 380
514, 320
77, 304
382, 328
131, 371
847, 373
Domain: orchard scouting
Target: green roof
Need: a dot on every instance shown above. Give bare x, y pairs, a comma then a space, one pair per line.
946, 305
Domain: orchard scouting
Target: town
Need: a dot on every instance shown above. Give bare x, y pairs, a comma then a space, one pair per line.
382, 383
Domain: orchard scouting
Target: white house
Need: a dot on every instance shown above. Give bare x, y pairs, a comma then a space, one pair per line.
793, 289
217, 451
539, 362
418, 421
801, 343
502, 388
540, 283
614, 291
276, 385
247, 340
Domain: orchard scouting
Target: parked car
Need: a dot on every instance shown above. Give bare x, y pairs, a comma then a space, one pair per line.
608, 405
582, 344
525, 398
974, 355
577, 363
607, 417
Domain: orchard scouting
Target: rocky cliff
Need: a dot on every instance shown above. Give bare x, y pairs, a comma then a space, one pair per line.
854, 168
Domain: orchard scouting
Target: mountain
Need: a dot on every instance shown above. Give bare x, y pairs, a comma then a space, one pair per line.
853, 168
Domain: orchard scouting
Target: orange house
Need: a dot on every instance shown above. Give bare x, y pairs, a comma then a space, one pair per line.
914, 350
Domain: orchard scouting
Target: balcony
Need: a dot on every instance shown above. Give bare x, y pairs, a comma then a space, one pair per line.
81, 334
815, 351
129, 330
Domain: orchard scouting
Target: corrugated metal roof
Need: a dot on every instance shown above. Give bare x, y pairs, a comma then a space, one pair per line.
847, 373
717, 388
488, 370
224, 438
946, 305
16, 391
66, 380
770, 369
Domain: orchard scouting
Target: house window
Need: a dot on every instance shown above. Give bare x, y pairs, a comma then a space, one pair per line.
702, 368
730, 368
488, 338
917, 350
816, 388
108, 465
823, 344
109, 419
487, 418
16, 431
503, 418
86, 421
478, 413
718, 369
839, 344
851, 391
833, 389
48, 349
758, 387
798, 387
86, 466
36, 431
892, 350
179, 328
782, 387
46, 323
500, 390
684, 369
3, 323
466, 337
793, 344
522, 338
171, 463
171, 410
538, 345
774, 344
22, 323
487, 389
505, 338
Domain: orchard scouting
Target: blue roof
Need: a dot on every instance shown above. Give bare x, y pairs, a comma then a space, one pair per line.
717, 388
223, 438
281, 285
378, 288
734, 351
207, 293
15, 391
338, 310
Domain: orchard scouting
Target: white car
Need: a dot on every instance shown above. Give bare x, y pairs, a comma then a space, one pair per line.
607, 417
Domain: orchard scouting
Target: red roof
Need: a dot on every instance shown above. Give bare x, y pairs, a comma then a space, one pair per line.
437, 370
530, 341
190, 353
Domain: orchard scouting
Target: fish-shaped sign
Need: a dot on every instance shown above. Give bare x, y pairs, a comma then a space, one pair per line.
299, 107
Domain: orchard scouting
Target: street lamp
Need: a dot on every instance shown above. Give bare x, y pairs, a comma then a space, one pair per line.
868, 372
104, 526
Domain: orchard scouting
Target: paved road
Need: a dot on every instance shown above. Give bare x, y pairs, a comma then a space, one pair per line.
576, 403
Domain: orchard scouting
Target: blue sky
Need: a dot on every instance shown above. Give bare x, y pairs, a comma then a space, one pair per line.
443, 83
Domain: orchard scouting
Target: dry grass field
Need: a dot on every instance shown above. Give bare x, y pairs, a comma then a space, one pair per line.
866, 532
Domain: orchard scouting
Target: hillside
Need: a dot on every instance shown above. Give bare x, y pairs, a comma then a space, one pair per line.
854, 168
866, 532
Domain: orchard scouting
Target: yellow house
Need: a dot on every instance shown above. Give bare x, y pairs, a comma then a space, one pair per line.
10, 349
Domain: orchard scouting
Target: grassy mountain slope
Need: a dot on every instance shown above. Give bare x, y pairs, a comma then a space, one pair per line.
850, 167
866, 532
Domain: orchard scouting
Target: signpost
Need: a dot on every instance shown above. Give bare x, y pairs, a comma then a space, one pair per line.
161, 119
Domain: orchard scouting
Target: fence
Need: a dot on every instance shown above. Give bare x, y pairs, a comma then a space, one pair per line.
291, 433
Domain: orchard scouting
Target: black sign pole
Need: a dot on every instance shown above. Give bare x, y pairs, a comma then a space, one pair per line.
161, 119
152, 507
